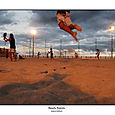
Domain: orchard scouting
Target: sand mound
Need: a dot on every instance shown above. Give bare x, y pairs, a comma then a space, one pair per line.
50, 90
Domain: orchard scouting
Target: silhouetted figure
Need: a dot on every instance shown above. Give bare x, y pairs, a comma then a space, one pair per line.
76, 55
20, 57
98, 53
4, 35
12, 51
51, 53
39, 55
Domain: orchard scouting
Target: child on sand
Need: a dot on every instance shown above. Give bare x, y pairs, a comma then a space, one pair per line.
76, 55
65, 23
12, 51
39, 55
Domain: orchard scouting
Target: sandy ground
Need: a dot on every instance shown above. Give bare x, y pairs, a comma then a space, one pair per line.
57, 81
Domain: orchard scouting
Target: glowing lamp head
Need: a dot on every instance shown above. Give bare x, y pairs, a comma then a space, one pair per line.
112, 28
33, 32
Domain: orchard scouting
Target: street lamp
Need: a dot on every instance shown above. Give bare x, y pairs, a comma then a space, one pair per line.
112, 28
33, 33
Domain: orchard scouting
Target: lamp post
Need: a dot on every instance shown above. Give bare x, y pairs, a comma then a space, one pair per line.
33, 33
79, 47
60, 47
45, 47
112, 28
29, 47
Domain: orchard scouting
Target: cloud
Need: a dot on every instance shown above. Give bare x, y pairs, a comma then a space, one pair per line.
83, 16
5, 18
95, 25
44, 18
93, 21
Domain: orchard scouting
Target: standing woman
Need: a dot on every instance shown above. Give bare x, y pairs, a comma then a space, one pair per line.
12, 51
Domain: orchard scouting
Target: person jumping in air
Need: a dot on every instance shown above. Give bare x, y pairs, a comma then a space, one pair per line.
65, 23
12, 51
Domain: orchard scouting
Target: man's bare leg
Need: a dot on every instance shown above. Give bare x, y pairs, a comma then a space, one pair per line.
74, 36
67, 29
77, 27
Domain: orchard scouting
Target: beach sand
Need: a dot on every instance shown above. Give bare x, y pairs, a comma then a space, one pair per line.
57, 81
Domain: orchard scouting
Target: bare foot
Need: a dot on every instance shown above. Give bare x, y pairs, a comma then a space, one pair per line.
74, 35
78, 28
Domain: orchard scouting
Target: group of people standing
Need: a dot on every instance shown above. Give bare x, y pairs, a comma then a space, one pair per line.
47, 55
12, 51
13, 54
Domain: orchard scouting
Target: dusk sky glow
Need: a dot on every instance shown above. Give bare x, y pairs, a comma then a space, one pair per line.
95, 24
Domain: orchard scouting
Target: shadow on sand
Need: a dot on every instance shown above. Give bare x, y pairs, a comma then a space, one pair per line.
50, 90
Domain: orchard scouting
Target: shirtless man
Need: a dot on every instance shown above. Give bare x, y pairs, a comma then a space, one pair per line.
65, 23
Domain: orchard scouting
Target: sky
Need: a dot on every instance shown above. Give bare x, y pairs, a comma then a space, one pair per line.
95, 34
